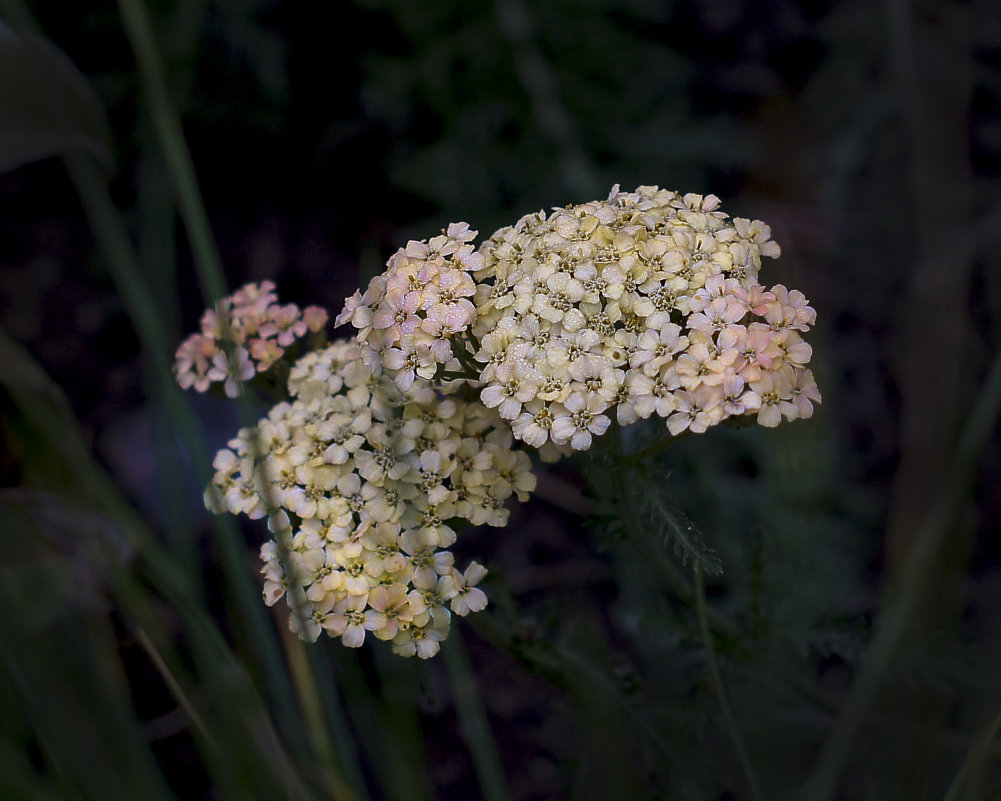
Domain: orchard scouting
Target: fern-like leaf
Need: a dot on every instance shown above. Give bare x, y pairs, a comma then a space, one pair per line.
675, 527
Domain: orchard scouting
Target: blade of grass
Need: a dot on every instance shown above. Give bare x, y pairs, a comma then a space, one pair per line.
739, 746
113, 241
208, 263
325, 721
974, 758
473, 720
111, 235
59, 659
254, 758
822, 782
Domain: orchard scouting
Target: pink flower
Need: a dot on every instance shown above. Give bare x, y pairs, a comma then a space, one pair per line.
721, 312
756, 298
755, 347
232, 370
804, 393
286, 322
265, 352
735, 400
350, 304
315, 318
789, 310
696, 411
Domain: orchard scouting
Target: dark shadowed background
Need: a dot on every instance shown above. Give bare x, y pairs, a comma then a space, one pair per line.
867, 133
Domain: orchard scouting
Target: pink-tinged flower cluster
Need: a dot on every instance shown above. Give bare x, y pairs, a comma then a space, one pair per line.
361, 484
246, 334
646, 303
410, 316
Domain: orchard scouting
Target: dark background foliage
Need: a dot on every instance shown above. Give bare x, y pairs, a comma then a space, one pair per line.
325, 135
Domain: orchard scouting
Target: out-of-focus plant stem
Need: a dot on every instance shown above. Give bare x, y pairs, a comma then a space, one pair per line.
743, 757
647, 547
175, 150
473, 719
822, 783
115, 244
209, 267
973, 759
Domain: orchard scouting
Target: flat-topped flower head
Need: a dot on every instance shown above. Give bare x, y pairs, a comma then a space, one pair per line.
368, 482
247, 333
631, 305
644, 304
411, 315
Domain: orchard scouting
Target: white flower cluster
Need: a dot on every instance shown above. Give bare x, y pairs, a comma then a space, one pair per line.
644, 304
362, 483
408, 317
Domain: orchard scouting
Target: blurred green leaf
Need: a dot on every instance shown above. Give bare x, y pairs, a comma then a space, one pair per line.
47, 107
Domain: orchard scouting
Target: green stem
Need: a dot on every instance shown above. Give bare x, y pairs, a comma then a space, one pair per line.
175, 150
739, 746
643, 454
175, 687
822, 782
473, 340
473, 719
974, 758
647, 547
447, 375
466, 360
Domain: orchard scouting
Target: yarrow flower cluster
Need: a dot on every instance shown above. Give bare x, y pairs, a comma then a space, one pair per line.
645, 304
410, 315
246, 334
362, 484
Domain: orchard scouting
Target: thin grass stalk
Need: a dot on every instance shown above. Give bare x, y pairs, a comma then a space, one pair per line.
240, 742
206, 256
331, 700
109, 760
473, 720
113, 241
385, 719
316, 715
174, 686
739, 746
208, 263
822, 782
974, 758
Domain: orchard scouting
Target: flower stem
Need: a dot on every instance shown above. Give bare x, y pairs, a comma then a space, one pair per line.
739, 746
647, 547
473, 720
208, 263
652, 450
974, 758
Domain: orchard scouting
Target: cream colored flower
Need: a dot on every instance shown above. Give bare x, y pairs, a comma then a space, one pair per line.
461, 590
583, 302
